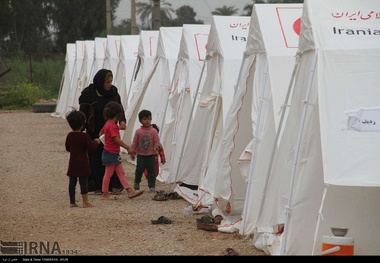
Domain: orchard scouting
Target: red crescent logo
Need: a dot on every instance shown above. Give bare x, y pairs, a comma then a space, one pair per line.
297, 26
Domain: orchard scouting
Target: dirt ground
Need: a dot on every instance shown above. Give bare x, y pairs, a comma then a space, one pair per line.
35, 204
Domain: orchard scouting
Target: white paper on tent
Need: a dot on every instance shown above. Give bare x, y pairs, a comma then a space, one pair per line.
364, 119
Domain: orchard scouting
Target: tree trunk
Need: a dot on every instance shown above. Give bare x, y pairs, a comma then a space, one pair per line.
133, 17
156, 14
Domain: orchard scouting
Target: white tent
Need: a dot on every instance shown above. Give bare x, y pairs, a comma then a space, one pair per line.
254, 113
85, 71
112, 55
89, 56
225, 46
99, 55
326, 170
74, 84
155, 91
66, 80
128, 53
144, 62
187, 83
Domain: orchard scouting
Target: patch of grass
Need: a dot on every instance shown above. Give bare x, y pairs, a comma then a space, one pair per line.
30, 80
21, 95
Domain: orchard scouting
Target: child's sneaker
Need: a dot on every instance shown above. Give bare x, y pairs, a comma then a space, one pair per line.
152, 190
136, 186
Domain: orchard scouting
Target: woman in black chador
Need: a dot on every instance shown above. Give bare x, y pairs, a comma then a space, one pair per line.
91, 102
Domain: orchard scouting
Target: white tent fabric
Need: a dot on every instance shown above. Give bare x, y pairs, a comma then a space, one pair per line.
112, 55
326, 173
155, 91
99, 55
128, 52
85, 71
186, 85
66, 80
74, 85
254, 113
146, 54
226, 43
88, 61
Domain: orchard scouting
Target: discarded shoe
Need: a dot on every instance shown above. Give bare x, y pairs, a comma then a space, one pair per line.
160, 196
162, 220
135, 193
207, 223
206, 219
174, 196
218, 219
230, 252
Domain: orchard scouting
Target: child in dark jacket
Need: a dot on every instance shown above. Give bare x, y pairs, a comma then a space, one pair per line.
79, 143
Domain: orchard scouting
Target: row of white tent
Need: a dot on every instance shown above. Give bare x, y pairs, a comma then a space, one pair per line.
85, 57
274, 118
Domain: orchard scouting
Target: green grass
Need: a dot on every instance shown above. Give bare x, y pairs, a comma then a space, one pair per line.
30, 81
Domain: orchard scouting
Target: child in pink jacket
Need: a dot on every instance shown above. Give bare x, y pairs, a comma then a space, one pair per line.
145, 144
158, 155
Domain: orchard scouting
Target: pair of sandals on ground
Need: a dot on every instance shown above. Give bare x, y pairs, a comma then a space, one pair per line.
205, 222
162, 220
162, 196
209, 223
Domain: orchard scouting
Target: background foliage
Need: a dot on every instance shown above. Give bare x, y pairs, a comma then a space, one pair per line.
30, 81
34, 34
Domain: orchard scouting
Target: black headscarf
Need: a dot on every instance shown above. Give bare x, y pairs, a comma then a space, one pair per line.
98, 82
93, 99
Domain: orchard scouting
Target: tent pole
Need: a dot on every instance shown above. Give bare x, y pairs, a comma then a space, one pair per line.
296, 159
320, 216
136, 69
